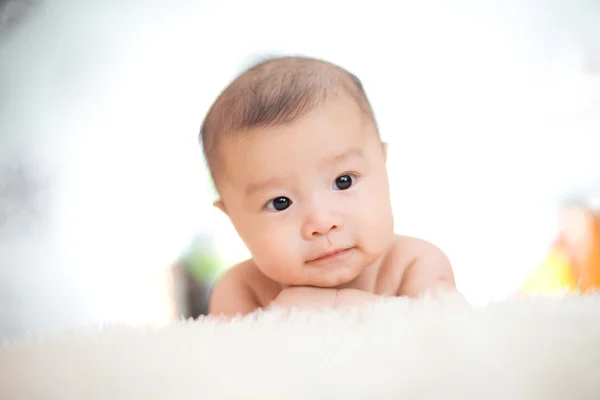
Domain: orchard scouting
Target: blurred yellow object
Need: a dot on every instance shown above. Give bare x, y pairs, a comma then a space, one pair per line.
573, 262
554, 275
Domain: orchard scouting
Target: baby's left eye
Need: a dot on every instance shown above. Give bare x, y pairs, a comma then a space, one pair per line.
343, 182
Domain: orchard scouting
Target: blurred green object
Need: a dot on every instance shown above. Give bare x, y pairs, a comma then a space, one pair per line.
202, 259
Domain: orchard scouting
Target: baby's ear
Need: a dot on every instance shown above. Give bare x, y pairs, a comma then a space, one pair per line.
220, 205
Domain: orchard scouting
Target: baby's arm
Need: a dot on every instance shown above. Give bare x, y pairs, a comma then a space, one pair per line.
428, 270
232, 295
303, 297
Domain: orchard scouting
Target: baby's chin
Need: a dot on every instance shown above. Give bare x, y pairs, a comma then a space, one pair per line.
327, 279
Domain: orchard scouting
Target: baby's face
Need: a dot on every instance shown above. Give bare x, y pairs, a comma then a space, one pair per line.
310, 199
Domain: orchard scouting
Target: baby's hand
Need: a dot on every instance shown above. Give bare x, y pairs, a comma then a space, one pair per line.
352, 298
321, 298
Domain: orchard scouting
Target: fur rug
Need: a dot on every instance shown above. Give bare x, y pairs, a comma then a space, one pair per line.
537, 348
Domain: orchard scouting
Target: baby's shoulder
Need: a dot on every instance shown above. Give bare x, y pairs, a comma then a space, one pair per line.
400, 254
404, 251
414, 262
231, 293
241, 276
246, 277
408, 247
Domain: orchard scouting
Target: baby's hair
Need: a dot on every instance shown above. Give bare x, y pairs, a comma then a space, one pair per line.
273, 92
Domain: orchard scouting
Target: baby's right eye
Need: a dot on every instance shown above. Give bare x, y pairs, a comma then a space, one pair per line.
278, 204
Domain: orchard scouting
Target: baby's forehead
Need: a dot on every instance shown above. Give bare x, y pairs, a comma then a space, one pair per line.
273, 157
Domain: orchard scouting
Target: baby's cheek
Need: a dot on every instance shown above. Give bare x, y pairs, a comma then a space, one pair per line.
276, 253
376, 227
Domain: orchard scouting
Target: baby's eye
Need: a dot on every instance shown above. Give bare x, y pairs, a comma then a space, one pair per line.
343, 182
278, 204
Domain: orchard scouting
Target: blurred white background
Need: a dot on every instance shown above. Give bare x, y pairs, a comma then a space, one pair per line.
492, 111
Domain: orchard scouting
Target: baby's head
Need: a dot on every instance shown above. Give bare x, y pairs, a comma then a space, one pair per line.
294, 151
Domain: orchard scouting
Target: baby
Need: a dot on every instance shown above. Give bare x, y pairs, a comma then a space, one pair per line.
294, 150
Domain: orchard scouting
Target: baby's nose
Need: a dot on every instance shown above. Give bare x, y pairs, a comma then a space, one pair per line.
321, 224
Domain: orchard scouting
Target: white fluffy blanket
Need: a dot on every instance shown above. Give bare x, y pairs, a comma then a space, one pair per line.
425, 349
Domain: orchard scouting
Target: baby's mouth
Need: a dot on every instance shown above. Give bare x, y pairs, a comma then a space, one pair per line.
331, 254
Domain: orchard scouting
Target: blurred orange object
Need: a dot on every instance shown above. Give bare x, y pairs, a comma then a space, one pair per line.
573, 262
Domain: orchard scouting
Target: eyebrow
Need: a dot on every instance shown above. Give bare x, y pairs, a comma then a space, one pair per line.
340, 158
258, 187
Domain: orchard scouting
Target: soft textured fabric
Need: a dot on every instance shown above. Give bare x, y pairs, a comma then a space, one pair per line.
543, 348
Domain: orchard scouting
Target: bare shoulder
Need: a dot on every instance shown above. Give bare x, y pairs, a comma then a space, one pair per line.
241, 290
233, 293
425, 267
412, 246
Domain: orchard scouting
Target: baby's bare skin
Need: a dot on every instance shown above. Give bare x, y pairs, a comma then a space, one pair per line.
410, 268
309, 195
